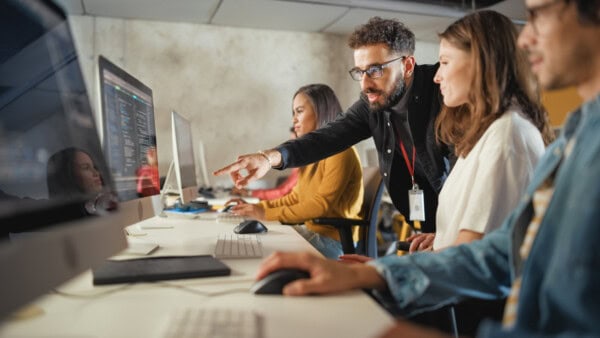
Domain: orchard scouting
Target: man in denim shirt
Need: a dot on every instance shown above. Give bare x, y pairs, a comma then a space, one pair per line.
554, 287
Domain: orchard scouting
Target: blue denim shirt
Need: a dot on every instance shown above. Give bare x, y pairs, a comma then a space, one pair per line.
560, 291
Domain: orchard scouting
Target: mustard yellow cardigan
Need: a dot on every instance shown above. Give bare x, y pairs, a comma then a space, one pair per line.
329, 188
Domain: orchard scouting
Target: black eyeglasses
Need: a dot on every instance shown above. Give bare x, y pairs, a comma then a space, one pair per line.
533, 14
374, 72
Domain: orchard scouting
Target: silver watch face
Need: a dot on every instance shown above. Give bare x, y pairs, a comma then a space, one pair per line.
90, 207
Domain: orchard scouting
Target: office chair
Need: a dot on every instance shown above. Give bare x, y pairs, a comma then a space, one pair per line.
367, 245
462, 318
443, 318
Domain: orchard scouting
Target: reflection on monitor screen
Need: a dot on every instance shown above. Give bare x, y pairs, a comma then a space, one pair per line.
183, 157
129, 132
56, 191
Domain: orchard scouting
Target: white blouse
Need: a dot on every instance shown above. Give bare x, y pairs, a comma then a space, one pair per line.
484, 187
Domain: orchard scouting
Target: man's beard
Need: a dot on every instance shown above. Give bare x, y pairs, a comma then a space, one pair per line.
388, 100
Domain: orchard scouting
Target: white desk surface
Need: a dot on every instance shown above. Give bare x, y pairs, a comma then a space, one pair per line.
142, 310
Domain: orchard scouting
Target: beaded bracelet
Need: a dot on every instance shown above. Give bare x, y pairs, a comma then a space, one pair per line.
267, 157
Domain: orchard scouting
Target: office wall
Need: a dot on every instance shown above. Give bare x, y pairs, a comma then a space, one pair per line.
234, 84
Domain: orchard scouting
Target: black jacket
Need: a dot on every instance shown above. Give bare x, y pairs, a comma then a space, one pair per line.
358, 123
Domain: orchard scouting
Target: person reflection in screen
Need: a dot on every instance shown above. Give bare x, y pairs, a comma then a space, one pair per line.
72, 171
148, 181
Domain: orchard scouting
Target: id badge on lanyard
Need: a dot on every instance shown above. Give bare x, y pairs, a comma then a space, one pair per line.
416, 203
416, 198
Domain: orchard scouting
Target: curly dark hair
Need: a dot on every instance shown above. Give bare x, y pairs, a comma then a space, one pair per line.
392, 32
588, 11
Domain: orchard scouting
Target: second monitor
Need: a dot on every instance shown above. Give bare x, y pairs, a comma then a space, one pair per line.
183, 158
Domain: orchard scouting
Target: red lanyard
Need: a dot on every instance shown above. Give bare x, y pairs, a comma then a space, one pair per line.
411, 168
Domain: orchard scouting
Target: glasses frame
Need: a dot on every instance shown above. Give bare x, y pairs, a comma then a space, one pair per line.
533, 13
373, 72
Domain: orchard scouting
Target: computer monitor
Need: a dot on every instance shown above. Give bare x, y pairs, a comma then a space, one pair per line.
183, 158
56, 192
129, 139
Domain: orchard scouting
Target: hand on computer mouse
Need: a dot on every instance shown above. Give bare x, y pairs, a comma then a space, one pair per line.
226, 208
274, 282
421, 242
326, 276
250, 226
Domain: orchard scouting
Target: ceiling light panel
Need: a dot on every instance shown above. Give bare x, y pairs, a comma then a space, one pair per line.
281, 15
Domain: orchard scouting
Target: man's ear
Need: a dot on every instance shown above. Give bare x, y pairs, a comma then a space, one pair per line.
409, 67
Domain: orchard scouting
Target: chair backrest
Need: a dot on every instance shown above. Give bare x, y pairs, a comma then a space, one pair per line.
373, 190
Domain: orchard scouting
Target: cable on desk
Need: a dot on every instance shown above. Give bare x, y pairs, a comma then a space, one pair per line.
203, 293
92, 294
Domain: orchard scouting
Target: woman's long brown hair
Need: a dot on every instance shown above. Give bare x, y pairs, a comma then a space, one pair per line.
502, 77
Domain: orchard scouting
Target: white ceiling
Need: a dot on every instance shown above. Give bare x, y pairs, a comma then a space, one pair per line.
327, 16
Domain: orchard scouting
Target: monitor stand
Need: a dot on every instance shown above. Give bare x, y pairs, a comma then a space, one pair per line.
136, 211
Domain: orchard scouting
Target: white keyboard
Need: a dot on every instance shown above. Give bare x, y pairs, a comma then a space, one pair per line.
221, 217
238, 246
215, 322
229, 218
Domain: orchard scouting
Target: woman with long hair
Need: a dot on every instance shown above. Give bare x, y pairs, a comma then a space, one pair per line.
329, 188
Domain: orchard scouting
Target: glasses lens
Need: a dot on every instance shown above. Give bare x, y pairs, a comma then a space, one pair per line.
375, 72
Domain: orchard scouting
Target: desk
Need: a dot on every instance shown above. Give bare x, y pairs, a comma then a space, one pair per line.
141, 310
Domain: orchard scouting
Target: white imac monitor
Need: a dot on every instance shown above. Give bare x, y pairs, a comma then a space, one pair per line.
58, 213
129, 140
183, 158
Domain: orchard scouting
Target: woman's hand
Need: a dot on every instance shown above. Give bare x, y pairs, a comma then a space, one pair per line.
250, 210
421, 242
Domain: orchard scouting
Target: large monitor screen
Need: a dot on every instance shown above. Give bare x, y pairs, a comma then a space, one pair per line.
50, 156
56, 191
129, 132
183, 155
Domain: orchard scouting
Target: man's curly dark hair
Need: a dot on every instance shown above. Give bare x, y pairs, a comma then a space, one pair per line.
392, 32
588, 11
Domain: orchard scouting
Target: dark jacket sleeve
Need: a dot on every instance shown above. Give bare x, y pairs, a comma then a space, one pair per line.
348, 129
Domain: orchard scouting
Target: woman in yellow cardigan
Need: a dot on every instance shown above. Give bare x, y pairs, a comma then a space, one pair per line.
329, 188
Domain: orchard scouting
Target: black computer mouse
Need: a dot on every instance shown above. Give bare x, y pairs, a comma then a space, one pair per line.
227, 208
250, 226
274, 282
